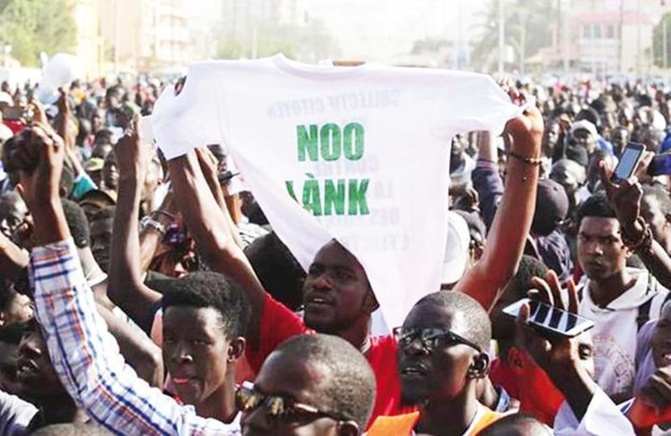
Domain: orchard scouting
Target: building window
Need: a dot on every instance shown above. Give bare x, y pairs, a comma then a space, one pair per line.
587, 31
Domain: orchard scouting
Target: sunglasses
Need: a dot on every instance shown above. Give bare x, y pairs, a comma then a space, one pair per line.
431, 338
248, 398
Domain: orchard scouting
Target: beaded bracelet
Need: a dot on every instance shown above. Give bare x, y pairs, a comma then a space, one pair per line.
645, 240
525, 159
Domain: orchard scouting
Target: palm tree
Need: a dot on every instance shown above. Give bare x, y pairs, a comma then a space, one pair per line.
529, 26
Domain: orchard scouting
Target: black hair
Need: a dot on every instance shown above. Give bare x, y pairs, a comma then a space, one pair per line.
516, 424
204, 289
106, 212
596, 205
349, 389
662, 196
77, 222
503, 326
7, 294
479, 328
277, 269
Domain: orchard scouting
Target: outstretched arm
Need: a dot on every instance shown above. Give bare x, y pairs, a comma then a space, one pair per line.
206, 222
512, 222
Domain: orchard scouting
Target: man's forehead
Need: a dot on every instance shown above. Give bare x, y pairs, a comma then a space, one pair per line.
430, 314
334, 254
292, 375
592, 225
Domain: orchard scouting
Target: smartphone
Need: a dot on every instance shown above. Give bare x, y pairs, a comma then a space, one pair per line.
628, 161
551, 320
12, 113
660, 165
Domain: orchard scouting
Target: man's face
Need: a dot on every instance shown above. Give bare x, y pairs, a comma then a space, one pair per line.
584, 137
335, 290
437, 374
101, 240
651, 211
660, 343
34, 369
292, 377
195, 351
12, 213
601, 252
110, 172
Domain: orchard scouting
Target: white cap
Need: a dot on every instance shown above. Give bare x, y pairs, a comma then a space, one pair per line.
584, 125
6, 98
456, 248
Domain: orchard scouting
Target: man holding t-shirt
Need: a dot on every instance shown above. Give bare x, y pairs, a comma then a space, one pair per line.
337, 294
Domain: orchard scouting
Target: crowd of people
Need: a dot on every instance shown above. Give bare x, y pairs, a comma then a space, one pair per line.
140, 295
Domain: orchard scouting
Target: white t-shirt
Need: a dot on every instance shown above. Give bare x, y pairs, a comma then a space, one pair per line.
15, 415
352, 153
616, 329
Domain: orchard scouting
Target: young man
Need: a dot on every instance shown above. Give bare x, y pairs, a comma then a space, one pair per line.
310, 385
84, 355
442, 353
204, 321
619, 300
337, 296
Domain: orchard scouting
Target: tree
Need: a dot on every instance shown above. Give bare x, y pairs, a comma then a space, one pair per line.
658, 42
526, 30
34, 26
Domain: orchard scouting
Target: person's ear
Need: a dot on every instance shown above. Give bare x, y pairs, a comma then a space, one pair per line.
479, 367
235, 349
348, 428
2, 319
370, 303
515, 360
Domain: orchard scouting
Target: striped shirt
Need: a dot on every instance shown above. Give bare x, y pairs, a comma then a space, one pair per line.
87, 358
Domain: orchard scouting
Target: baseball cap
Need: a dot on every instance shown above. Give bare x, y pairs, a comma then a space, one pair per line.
456, 248
551, 207
94, 164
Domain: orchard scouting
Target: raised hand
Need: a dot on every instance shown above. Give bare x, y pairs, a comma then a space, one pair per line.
39, 157
133, 157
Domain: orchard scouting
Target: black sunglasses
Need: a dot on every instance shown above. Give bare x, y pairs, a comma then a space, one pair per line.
248, 398
431, 338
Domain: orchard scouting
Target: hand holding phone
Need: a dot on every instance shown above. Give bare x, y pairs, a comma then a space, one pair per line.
629, 160
551, 320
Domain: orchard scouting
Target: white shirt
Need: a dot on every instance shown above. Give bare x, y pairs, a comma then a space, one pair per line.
615, 332
363, 150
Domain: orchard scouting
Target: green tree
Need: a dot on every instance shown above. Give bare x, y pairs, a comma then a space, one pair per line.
658, 42
526, 30
34, 26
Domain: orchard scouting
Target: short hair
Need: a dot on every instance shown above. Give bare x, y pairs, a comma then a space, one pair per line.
479, 327
203, 289
277, 269
516, 289
661, 194
349, 390
597, 205
77, 222
104, 214
516, 424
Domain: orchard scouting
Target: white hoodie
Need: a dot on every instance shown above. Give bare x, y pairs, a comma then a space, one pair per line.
616, 329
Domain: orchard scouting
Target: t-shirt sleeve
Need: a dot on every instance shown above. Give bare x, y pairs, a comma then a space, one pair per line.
470, 102
190, 118
278, 323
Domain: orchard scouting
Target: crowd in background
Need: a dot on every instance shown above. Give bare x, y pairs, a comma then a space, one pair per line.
151, 238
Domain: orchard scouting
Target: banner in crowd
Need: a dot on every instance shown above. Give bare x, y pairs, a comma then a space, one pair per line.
359, 154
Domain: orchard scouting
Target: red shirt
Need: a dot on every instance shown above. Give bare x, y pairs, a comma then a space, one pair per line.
278, 324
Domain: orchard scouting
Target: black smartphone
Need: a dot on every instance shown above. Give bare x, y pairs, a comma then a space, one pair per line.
629, 159
660, 165
550, 319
